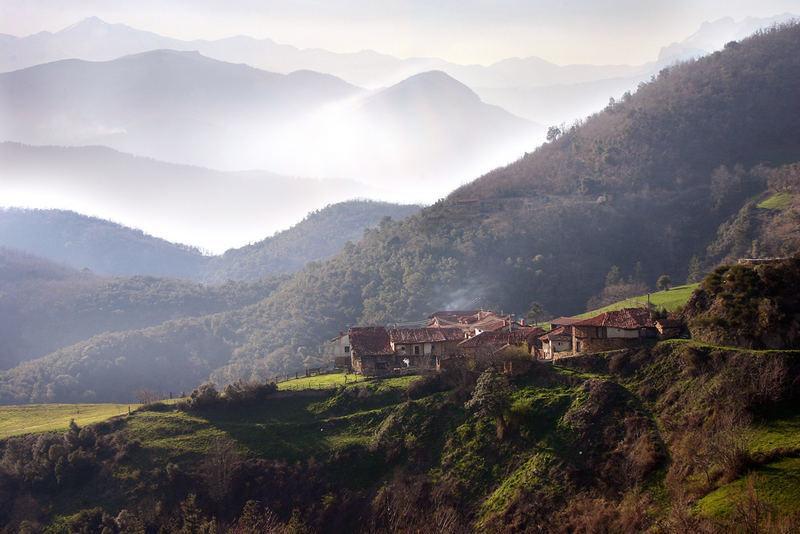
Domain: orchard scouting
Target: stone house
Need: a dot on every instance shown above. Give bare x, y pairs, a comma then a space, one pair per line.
337, 350
377, 350
423, 347
371, 351
556, 344
613, 330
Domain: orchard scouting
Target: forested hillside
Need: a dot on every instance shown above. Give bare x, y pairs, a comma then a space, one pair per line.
108, 248
45, 306
90, 243
320, 235
648, 185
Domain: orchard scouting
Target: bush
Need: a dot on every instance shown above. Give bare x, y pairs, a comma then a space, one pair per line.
425, 386
201, 398
155, 407
236, 394
248, 392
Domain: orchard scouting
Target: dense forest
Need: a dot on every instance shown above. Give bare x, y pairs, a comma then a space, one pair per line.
112, 249
46, 306
697, 167
756, 307
320, 235
90, 243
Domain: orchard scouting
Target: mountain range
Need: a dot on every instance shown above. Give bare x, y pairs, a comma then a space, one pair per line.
185, 204
91, 276
499, 83
187, 108
699, 165
107, 249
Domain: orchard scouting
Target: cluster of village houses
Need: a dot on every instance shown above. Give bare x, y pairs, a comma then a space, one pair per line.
452, 338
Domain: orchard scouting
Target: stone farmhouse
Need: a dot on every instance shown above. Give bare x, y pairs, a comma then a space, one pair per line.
619, 329
478, 338
613, 330
556, 343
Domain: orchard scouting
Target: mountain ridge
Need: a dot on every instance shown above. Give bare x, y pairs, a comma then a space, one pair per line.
373, 69
210, 113
246, 204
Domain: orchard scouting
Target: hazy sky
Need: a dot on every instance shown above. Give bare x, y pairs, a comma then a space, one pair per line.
465, 31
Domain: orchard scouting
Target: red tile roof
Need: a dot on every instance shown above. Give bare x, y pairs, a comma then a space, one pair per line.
480, 320
558, 334
425, 335
453, 315
516, 337
370, 340
626, 318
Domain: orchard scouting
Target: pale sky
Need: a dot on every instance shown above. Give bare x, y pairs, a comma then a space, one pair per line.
463, 31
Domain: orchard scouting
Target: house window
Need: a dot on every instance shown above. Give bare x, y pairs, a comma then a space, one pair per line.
416, 349
347, 348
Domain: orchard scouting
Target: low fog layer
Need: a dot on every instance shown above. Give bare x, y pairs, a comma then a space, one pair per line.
184, 204
418, 139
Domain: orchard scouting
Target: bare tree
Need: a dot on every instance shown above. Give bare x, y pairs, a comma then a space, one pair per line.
147, 396
727, 442
218, 466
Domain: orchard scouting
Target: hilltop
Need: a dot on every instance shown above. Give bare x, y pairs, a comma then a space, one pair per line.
100, 246
235, 117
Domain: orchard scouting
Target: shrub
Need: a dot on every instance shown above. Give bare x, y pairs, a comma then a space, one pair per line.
156, 407
248, 392
425, 386
203, 397
236, 394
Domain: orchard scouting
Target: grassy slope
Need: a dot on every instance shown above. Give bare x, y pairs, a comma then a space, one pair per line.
671, 300
496, 477
778, 201
777, 483
34, 418
291, 428
326, 381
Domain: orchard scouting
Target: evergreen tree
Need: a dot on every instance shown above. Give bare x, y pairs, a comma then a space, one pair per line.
614, 276
695, 271
492, 398
664, 282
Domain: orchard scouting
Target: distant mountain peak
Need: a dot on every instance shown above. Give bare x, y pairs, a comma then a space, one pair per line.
87, 24
434, 83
